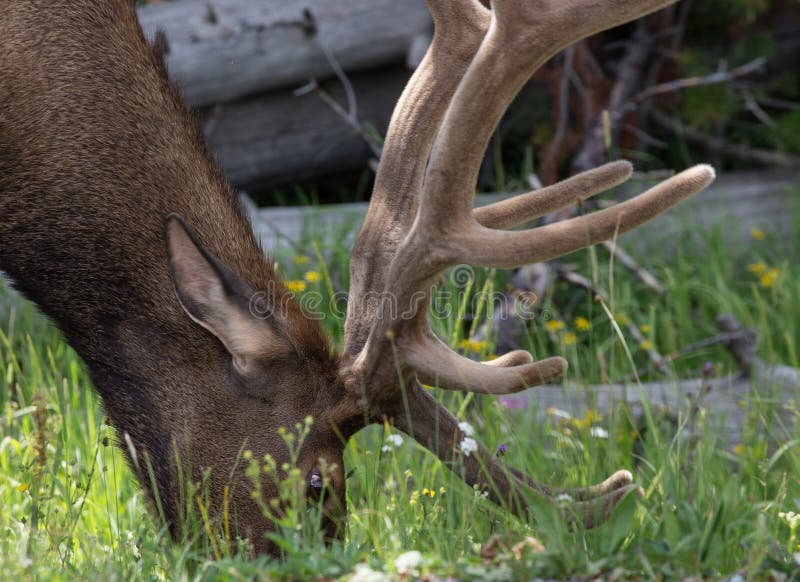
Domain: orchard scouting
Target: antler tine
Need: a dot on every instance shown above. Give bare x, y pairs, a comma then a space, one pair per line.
459, 30
526, 207
496, 248
438, 365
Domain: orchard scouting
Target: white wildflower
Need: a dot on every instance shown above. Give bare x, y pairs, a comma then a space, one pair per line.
598, 432
386, 449
466, 428
468, 445
564, 499
791, 518
408, 563
558, 413
479, 493
363, 573
395, 439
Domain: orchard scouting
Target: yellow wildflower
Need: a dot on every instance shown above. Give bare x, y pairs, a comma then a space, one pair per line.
757, 268
769, 278
569, 338
296, 286
312, 276
592, 416
622, 319
555, 325
757, 234
300, 260
738, 449
645, 328
441, 490
646, 345
582, 324
473, 345
22, 487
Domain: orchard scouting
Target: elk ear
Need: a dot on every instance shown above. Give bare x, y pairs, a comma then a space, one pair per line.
213, 295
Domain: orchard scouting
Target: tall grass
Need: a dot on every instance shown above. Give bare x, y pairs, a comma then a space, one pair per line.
70, 508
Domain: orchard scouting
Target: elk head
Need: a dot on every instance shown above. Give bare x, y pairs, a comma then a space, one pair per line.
420, 222
199, 352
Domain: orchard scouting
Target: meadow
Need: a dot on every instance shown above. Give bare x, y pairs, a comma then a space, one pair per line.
71, 510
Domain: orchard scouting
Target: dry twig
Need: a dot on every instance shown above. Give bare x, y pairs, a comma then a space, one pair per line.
738, 151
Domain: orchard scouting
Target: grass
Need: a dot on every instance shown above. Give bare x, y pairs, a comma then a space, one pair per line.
71, 509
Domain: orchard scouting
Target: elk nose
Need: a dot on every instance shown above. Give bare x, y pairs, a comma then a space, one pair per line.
315, 484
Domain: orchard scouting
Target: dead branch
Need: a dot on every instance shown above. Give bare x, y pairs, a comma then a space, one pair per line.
715, 78
738, 151
553, 152
629, 75
738, 340
630, 263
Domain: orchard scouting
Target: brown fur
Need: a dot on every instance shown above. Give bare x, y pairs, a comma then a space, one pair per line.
96, 149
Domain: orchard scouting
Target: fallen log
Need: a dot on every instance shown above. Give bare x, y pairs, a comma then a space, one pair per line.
738, 201
278, 138
725, 403
221, 50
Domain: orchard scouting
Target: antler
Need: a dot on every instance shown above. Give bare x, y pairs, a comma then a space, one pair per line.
421, 221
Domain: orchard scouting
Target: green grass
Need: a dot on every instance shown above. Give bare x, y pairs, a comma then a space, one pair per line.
71, 509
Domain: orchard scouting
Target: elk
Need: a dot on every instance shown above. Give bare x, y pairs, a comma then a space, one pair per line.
119, 226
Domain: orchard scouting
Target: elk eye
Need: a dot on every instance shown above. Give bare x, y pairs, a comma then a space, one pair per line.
315, 484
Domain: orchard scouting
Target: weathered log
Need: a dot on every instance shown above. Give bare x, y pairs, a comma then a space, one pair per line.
724, 403
277, 138
221, 50
735, 204
739, 201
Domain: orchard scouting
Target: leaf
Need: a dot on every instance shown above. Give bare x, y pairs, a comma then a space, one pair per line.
619, 525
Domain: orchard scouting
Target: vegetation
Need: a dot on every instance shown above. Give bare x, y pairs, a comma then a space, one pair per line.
71, 509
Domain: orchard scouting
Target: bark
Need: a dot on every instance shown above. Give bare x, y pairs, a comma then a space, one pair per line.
280, 138
221, 50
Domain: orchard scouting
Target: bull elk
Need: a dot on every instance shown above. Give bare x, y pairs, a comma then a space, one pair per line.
119, 226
